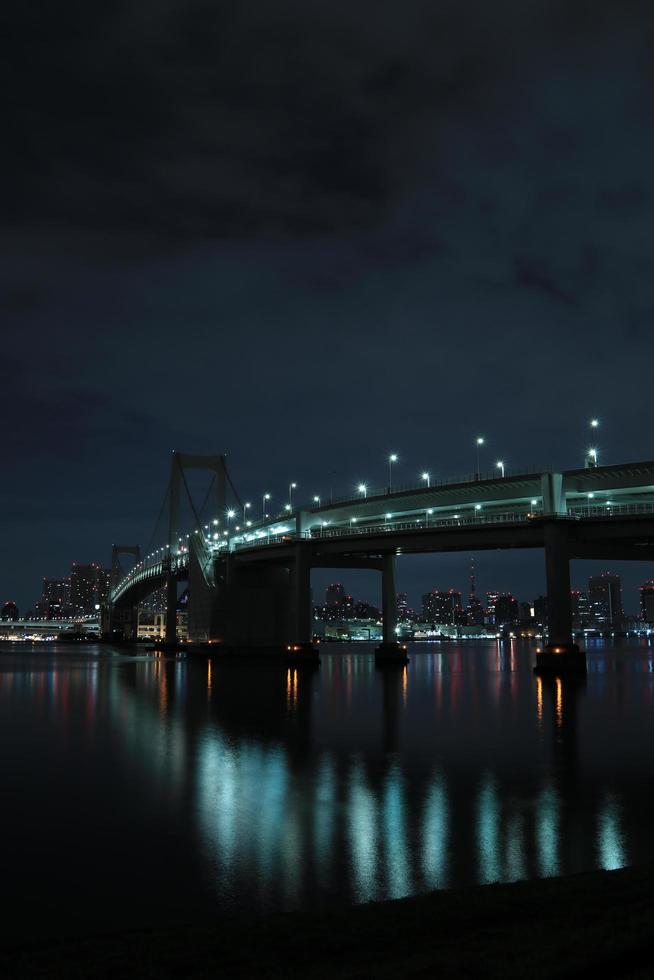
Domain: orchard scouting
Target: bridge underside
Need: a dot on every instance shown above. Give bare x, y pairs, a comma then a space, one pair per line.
261, 597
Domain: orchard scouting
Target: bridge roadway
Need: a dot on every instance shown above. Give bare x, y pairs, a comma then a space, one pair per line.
605, 512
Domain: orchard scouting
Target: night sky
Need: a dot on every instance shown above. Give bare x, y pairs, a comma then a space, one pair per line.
309, 234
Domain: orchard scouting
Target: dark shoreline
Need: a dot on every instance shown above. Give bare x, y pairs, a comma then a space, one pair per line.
579, 926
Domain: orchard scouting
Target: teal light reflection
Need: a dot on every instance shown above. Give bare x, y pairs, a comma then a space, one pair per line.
396, 857
488, 820
323, 819
547, 832
515, 848
434, 835
610, 841
364, 834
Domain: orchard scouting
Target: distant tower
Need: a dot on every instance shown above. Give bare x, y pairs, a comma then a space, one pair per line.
475, 612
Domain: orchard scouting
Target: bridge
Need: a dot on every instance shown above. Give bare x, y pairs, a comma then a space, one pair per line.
249, 581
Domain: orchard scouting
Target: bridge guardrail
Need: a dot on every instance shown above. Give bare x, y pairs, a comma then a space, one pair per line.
156, 567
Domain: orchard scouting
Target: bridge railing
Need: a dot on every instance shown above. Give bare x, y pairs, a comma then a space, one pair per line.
421, 523
428, 522
433, 484
153, 567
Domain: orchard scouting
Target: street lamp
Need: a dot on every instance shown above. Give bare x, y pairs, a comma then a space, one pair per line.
246, 507
353, 520
363, 489
428, 513
266, 496
500, 466
427, 478
230, 517
291, 488
479, 442
316, 500
594, 423
391, 459
387, 518
592, 458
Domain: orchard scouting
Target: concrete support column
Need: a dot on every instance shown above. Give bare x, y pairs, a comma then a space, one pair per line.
171, 609
302, 596
560, 653
389, 651
557, 570
553, 493
389, 600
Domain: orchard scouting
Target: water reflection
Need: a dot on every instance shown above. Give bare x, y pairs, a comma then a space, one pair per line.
272, 787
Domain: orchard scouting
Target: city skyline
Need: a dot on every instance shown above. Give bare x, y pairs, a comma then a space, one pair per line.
453, 253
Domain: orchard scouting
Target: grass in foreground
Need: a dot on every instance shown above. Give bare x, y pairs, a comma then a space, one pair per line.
583, 926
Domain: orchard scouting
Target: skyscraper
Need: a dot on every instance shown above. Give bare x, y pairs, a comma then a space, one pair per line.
55, 599
334, 594
580, 608
605, 599
442, 607
647, 602
507, 610
88, 587
475, 611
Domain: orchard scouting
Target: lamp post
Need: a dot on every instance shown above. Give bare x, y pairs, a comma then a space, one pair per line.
363, 489
591, 459
291, 488
500, 466
266, 496
246, 507
391, 459
427, 478
231, 514
316, 500
353, 521
479, 442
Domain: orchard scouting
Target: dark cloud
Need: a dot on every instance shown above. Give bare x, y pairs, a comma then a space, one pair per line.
205, 119
310, 233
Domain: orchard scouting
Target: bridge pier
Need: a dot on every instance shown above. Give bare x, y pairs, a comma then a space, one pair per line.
171, 609
301, 647
389, 650
560, 653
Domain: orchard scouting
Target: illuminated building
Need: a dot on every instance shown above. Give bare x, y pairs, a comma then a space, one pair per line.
404, 612
605, 599
581, 611
475, 611
647, 602
9, 611
334, 594
442, 607
506, 610
55, 599
89, 585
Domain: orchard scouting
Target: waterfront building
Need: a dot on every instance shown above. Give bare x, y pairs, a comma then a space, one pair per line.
9, 611
55, 599
582, 616
334, 594
506, 610
442, 607
491, 599
540, 610
647, 602
89, 584
605, 600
